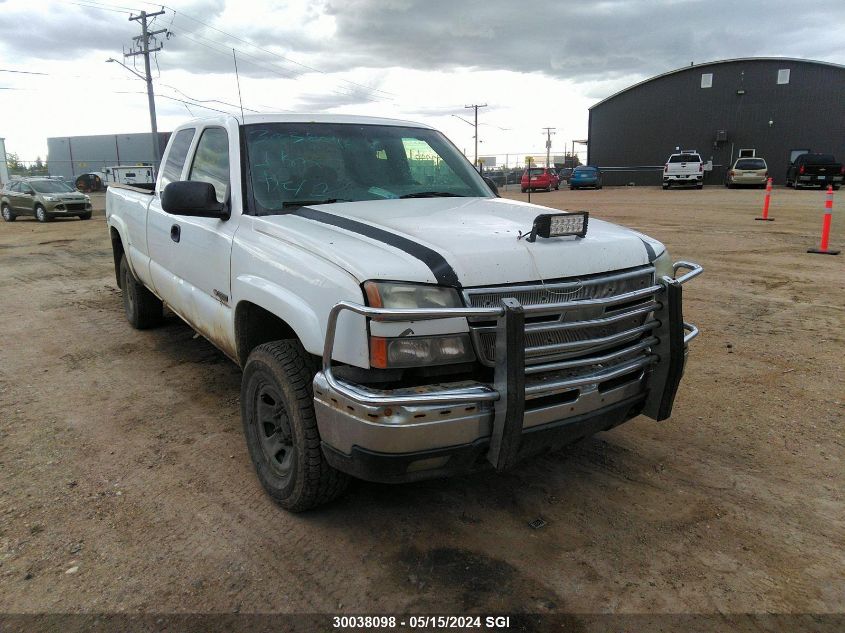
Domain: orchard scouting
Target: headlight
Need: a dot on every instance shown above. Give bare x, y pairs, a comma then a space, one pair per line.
388, 294
87, 198
663, 266
416, 351
51, 198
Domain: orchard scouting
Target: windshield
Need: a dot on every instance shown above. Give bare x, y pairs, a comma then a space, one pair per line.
293, 164
750, 163
50, 186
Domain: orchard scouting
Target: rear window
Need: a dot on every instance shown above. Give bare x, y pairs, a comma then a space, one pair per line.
584, 170
172, 170
685, 158
536, 171
819, 159
750, 163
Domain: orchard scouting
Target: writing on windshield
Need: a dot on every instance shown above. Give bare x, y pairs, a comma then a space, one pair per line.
292, 162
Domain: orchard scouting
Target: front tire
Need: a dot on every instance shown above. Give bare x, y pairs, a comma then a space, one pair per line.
41, 214
7, 214
277, 410
143, 309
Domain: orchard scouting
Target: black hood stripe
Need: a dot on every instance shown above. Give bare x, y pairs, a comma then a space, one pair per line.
443, 272
649, 249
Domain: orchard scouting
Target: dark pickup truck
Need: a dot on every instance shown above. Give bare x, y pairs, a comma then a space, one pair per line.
815, 170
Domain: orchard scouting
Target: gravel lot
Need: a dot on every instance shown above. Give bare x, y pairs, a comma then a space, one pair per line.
125, 484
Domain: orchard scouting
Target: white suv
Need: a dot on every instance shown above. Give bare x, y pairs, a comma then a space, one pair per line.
684, 168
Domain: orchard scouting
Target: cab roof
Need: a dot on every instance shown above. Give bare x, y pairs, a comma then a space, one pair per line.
287, 117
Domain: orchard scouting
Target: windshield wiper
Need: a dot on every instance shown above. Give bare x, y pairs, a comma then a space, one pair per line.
433, 194
295, 204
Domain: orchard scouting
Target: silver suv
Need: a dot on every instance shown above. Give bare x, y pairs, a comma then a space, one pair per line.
45, 198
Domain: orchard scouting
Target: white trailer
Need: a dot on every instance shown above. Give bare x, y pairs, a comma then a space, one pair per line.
128, 175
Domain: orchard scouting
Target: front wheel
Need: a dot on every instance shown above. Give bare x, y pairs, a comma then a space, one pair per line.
85, 216
699, 186
41, 214
143, 309
277, 410
7, 214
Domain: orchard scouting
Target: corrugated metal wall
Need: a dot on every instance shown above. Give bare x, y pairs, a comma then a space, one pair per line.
69, 156
642, 125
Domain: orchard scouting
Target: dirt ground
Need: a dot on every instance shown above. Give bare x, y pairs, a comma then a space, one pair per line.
125, 483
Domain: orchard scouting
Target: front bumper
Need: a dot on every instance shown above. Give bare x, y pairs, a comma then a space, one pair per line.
414, 433
69, 208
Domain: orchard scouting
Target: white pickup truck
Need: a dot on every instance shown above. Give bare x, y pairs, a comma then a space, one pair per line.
394, 318
685, 168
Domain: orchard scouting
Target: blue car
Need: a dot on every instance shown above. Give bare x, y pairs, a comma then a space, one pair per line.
585, 177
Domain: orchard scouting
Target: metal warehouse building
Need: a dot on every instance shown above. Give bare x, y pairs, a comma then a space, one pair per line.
70, 156
773, 108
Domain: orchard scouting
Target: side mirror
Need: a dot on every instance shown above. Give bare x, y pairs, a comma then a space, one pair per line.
492, 186
193, 198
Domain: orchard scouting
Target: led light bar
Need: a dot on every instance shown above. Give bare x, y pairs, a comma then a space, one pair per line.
559, 224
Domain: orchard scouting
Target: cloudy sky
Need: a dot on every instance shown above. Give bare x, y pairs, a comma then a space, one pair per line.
534, 64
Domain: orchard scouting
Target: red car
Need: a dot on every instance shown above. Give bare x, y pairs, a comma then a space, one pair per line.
540, 178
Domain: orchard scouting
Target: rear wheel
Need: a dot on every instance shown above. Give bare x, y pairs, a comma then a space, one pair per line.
85, 216
277, 409
143, 309
699, 186
524, 189
7, 214
41, 214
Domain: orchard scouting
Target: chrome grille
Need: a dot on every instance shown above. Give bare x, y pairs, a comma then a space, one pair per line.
577, 335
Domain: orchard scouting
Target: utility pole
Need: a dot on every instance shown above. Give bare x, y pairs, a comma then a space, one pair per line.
549, 131
475, 107
141, 46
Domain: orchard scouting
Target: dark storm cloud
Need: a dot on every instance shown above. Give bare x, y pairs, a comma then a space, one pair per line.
64, 33
609, 42
579, 40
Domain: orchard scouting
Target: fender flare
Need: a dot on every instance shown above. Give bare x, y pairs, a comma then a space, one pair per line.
285, 305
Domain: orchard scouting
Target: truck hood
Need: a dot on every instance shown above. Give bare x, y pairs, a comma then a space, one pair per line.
476, 238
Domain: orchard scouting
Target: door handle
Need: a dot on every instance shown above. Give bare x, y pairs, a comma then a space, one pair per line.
175, 233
